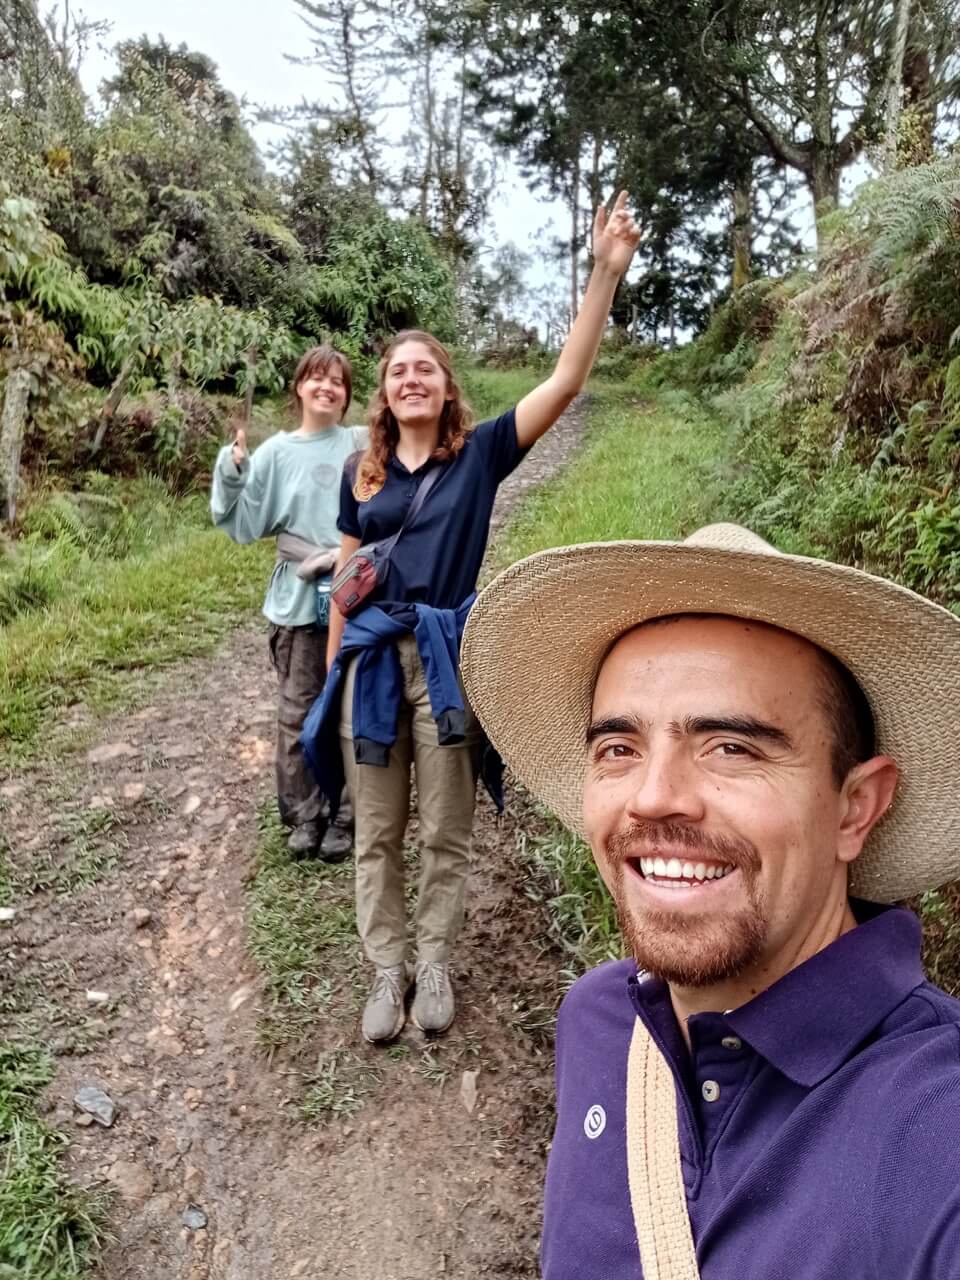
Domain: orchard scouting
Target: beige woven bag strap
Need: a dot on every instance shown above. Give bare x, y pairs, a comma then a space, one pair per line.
653, 1164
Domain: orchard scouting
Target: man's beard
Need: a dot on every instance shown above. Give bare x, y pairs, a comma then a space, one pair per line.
684, 949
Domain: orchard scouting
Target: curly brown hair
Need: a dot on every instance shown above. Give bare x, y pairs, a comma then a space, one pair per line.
456, 420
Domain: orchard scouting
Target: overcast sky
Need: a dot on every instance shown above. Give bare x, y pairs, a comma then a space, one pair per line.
247, 39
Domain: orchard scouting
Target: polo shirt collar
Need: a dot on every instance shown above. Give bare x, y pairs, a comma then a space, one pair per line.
815, 1018
810, 1022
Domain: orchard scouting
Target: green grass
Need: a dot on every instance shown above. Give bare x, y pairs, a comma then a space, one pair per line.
49, 1230
565, 882
115, 606
648, 470
298, 913
87, 846
337, 1088
491, 391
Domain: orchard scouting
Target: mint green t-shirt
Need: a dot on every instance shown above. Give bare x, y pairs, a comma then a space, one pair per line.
291, 483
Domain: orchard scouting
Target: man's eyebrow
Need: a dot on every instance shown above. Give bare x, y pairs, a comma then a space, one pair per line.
746, 726
615, 724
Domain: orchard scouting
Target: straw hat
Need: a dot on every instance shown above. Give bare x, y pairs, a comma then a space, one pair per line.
537, 636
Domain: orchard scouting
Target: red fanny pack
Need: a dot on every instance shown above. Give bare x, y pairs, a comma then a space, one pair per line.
355, 581
367, 567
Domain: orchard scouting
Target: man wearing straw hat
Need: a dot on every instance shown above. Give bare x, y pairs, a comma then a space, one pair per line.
761, 750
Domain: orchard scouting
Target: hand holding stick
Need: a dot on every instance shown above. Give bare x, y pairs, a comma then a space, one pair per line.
239, 451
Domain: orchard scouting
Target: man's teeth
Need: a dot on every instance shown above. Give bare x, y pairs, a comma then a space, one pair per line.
674, 869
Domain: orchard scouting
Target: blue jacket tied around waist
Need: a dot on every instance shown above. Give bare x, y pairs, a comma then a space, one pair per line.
378, 690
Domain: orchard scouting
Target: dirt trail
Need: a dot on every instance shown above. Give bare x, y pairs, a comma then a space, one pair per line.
159, 816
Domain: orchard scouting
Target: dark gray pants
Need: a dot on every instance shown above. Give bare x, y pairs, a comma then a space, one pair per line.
299, 656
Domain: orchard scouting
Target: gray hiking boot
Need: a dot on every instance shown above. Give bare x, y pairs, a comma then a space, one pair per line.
433, 1005
384, 1013
303, 840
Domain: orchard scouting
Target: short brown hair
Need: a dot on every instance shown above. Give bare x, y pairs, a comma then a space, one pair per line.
317, 361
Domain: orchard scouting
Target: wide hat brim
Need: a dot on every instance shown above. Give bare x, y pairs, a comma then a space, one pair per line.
537, 635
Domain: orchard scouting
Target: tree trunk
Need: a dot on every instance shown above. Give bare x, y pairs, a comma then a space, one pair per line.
824, 172
742, 229
428, 111
112, 402
575, 236
917, 96
824, 183
13, 420
891, 113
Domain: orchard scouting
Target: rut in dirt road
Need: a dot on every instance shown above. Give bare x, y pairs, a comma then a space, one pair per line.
134, 960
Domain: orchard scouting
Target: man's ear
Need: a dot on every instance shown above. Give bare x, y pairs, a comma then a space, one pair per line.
866, 795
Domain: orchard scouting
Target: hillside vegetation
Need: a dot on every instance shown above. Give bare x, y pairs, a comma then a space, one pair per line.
839, 388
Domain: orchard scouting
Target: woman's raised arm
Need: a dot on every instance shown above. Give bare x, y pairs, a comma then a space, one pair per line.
614, 242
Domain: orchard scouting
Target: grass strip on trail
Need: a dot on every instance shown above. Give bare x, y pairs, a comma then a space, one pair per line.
298, 911
649, 469
49, 1230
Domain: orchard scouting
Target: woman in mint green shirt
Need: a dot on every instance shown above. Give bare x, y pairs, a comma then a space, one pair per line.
291, 484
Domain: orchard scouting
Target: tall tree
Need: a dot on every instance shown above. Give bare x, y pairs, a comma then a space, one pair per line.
448, 170
346, 44
810, 77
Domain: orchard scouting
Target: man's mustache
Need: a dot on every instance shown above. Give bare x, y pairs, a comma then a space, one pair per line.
646, 839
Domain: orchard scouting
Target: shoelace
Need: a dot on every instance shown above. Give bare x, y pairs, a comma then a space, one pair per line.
432, 976
387, 983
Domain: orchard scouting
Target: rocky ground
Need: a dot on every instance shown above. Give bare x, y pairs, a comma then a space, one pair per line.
249, 1144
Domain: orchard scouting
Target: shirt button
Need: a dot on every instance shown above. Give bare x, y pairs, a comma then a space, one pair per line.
710, 1090
733, 1043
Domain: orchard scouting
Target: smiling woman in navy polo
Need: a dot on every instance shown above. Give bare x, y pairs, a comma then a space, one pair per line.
394, 691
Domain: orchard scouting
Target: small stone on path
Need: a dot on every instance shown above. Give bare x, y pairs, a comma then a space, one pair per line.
141, 917
191, 805
239, 997
98, 997
7, 914
468, 1090
193, 1218
110, 751
96, 1103
134, 791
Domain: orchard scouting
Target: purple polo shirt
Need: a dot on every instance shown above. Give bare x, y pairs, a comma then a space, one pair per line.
819, 1124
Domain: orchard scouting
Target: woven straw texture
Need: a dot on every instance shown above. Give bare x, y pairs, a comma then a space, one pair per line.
537, 635
653, 1165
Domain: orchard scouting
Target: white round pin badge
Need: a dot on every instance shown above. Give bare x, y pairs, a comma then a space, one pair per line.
595, 1121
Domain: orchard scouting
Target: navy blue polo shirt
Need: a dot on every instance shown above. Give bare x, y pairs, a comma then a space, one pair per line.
819, 1124
437, 560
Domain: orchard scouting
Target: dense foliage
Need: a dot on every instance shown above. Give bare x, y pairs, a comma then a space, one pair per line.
843, 387
145, 248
